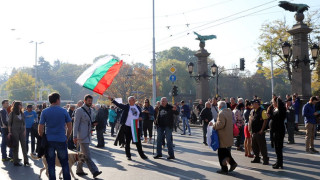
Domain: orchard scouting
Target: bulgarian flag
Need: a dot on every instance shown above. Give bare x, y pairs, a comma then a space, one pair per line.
99, 76
134, 130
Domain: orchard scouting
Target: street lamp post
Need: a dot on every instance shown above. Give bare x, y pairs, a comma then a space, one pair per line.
35, 70
215, 72
287, 53
200, 78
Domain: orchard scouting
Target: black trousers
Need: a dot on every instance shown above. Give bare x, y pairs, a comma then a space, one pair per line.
290, 129
100, 137
128, 134
278, 145
225, 153
147, 127
259, 144
204, 128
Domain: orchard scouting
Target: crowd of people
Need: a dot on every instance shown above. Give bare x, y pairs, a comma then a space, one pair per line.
253, 119
72, 126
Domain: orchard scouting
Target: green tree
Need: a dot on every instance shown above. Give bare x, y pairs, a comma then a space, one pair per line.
271, 33
180, 54
20, 87
185, 85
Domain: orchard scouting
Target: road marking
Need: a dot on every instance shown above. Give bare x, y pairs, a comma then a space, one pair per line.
167, 174
314, 155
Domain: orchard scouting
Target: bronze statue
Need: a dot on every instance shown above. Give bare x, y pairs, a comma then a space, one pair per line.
299, 8
202, 39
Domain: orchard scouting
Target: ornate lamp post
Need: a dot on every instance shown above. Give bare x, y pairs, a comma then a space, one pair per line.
314, 52
287, 53
199, 76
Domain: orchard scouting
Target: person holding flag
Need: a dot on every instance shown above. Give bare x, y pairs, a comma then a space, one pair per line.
131, 115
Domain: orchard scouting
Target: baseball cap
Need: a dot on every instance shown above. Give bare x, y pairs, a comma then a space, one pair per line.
255, 101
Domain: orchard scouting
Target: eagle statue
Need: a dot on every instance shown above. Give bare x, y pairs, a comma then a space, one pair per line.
299, 8
202, 39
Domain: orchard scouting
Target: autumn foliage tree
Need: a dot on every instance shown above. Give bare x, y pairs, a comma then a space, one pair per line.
20, 87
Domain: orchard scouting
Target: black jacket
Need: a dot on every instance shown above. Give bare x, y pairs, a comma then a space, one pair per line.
165, 116
101, 116
125, 108
206, 114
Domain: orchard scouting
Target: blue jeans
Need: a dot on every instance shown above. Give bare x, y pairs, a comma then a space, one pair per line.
62, 152
185, 121
112, 124
4, 134
29, 131
164, 131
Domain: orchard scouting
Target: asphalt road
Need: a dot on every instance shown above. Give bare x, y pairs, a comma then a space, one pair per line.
193, 161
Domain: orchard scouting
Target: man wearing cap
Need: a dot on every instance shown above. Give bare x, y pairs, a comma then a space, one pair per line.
30, 117
258, 120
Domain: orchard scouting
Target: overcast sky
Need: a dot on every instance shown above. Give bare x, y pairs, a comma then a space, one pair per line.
77, 31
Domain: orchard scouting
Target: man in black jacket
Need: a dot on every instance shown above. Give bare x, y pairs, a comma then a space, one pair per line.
206, 117
290, 121
4, 130
101, 117
130, 112
164, 123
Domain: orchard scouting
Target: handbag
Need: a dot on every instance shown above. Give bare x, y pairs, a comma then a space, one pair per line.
43, 145
214, 140
34, 127
235, 130
11, 143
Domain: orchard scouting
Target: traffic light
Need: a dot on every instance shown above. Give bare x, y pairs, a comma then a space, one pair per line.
174, 91
242, 64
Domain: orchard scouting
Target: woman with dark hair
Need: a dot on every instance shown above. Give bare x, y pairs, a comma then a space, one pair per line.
238, 114
17, 128
148, 118
247, 135
277, 130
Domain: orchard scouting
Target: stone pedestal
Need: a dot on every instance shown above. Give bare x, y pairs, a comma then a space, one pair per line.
301, 76
202, 90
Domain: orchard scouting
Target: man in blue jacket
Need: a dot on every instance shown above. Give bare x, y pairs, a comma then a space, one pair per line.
309, 115
30, 117
185, 115
296, 104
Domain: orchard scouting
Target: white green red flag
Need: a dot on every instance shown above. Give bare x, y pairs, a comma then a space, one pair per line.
134, 130
99, 76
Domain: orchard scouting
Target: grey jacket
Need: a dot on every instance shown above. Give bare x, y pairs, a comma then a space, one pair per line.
17, 125
82, 125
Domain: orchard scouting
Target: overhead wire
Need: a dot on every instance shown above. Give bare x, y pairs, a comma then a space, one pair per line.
216, 20
213, 21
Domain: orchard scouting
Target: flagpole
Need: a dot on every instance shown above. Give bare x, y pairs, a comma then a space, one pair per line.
154, 88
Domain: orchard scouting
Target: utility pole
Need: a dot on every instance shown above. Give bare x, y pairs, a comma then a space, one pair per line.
35, 75
35, 70
272, 85
154, 84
